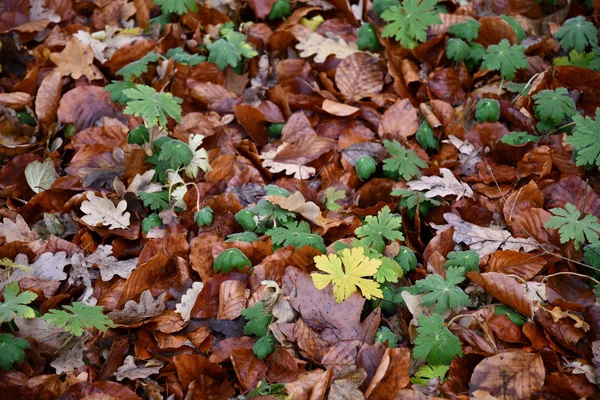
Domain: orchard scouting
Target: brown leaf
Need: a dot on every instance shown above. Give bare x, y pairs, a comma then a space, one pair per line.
359, 75
309, 385
445, 85
76, 61
283, 367
307, 209
85, 105
516, 263
15, 100
47, 99
536, 162
346, 386
493, 30
209, 379
210, 93
391, 375
399, 121
248, 369
254, 122
308, 341
574, 190
510, 375
232, 300
338, 109
506, 289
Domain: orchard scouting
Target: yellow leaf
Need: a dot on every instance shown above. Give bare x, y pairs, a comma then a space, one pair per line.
346, 279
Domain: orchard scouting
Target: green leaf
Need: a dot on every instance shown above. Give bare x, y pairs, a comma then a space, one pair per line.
177, 6
427, 372
204, 216
380, 227
518, 138
468, 259
487, 110
79, 317
367, 38
410, 199
468, 30
406, 258
457, 49
379, 6
443, 293
138, 135
571, 226
408, 22
264, 346
246, 219
331, 196
16, 305
435, 343
275, 130
152, 106
585, 140
274, 190
258, 322
405, 163
426, 137
267, 209
365, 167
388, 271
591, 255
385, 336
577, 33
137, 68
156, 201
516, 27
176, 154
280, 10
229, 50
151, 221
247, 237
297, 234
576, 59
505, 58
179, 55
11, 350
516, 318
554, 106
230, 259
116, 88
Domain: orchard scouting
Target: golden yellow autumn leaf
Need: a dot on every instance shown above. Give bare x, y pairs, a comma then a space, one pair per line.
346, 273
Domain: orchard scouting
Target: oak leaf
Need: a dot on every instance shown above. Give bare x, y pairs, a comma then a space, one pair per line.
102, 211
322, 47
446, 185
76, 60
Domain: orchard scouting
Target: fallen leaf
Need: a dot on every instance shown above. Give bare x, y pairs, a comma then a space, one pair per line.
17, 231
76, 60
511, 375
134, 312
15, 100
70, 357
102, 211
484, 240
322, 47
506, 289
391, 375
232, 299
40, 176
184, 307
129, 369
446, 185
399, 121
109, 266
346, 386
359, 75
309, 210
338, 109
299, 171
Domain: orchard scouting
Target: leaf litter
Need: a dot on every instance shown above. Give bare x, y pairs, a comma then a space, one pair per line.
283, 200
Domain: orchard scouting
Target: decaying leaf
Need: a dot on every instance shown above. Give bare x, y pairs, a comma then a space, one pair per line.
446, 185
76, 60
109, 266
307, 209
134, 312
130, 370
321, 47
102, 211
299, 171
184, 308
40, 176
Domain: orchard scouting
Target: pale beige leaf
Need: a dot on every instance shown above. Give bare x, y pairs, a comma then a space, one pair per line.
445, 185
76, 60
130, 370
297, 170
232, 299
48, 98
338, 109
134, 312
40, 176
70, 357
15, 100
17, 231
102, 211
322, 47
347, 385
511, 375
184, 307
307, 209
109, 266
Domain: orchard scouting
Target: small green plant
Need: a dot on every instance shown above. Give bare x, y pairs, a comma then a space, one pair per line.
585, 140
151, 221
408, 23
229, 259
258, 321
365, 167
406, 258
380, 6
571, 226
264, 346
15, 304
153, 107
180, 7
79, 317
331, 197
246, 237
427, 372
508, 312
280, 10
577, 34
487, 110
553, 107
518, 138
468, 30
385, 336
12, 350
297, 234
204, 216
461, 47
246, 220
377, 229
590, 60
389, 270
469, 260
409, 200
516, 27
444, 293
426, 137
403, 163
229, 49
367, 38
457, 49
505, 58
435, 344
